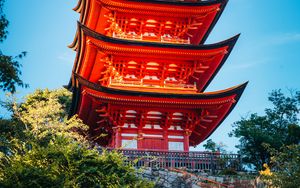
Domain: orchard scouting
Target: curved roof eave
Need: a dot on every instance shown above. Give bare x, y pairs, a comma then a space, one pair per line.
83, 5
184, 3
83, 30
214, 22
237, 98
229, 42
236, 90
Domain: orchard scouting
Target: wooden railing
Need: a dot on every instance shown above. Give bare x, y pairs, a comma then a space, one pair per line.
152, 84
152, 37
211, 161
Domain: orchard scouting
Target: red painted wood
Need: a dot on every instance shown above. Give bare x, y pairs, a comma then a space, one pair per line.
108, 64
153, 144
143, 120
187, 21
186, 142
147, 65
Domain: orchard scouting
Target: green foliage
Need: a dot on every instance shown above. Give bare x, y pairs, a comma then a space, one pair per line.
10, 72
214, 147
45, 113
11, 135
210, 145
65, 163
9, 65
285, 167
222, 161
3, 23
278, 127
228, 172
42, 148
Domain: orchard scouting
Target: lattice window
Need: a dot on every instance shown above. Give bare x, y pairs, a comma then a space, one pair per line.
154, 72
176, 146
153, 28
129, 144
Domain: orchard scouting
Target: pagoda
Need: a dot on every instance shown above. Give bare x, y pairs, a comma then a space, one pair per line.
141, 69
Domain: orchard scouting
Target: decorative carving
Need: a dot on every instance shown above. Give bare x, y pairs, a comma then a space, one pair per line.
114, 27
109, 73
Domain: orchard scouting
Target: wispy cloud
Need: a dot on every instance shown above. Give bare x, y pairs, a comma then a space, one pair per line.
66, 57
248, 65
285, 38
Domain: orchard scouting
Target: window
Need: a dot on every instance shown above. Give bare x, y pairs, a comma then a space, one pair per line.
176, 146
129, 144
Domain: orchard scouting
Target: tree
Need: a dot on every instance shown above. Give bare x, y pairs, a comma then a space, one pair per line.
41, 147
285, 167
277, 128
9, 65
214, 147
223, 162
210, 145
65, 163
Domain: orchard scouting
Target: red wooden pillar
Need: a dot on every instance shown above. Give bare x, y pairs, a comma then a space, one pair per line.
118, 137
140, 136
112, 143
166, 139
186, 136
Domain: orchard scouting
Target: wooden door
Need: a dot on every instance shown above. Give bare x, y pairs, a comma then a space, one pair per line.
153, 144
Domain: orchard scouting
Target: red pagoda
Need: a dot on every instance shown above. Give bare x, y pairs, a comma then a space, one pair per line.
141, 69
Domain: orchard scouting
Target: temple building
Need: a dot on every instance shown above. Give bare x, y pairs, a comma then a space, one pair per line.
141, 70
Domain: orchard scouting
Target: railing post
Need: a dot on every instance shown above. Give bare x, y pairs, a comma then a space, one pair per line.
212, 166
189, 160
240, 165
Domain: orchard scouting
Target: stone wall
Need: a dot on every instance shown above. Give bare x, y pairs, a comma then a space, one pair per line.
179, 178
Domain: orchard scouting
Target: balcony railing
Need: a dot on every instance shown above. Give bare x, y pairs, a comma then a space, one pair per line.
211, 161
153, 84
152, 37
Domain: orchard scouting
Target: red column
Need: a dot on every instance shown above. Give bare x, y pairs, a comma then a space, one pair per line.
118, 137
186, 136
140, 142
166, 139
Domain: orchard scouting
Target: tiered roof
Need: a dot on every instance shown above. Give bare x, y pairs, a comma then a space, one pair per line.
201, 113
190, 65
139, 62
172, 21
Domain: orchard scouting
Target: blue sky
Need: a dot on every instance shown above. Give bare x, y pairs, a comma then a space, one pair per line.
267, 53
